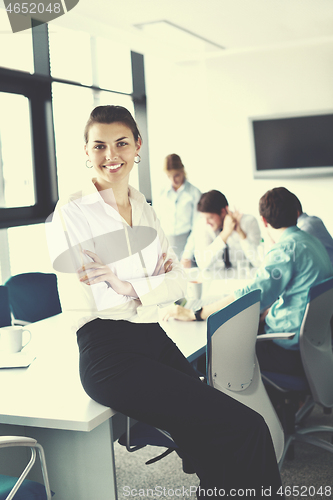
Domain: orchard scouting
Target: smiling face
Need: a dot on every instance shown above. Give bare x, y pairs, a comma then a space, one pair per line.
111, 148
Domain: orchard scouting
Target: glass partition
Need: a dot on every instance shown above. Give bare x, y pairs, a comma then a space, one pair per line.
16, 48
70, 55
16, 162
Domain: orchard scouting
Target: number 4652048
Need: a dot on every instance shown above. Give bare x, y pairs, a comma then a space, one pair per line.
33, 8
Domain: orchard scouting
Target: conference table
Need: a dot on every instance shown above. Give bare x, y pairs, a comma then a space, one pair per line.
46, 401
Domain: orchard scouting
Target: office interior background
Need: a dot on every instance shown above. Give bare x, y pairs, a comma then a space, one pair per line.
210, 66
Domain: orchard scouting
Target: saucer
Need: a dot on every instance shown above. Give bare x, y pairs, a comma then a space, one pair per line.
16, 359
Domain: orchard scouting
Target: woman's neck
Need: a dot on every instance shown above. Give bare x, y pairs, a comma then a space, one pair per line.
114, 194
117, 196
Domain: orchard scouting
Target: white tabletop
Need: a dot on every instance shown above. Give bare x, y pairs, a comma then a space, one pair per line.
220, 282
49, 392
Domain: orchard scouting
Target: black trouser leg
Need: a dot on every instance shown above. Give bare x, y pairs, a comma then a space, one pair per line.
137, 370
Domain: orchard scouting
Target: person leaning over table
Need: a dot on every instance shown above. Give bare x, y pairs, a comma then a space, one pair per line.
118, 266
176, 207
222, 237
294, 263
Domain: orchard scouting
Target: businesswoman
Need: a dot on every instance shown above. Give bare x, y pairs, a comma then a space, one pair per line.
176, 208
115, 267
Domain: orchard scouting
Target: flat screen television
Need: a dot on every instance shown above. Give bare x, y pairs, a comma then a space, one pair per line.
293, 146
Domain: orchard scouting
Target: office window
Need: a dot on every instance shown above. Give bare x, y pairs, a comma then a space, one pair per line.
71, 108
16, 49
16, 165
70, 55
113, 65
28, 249
41, 145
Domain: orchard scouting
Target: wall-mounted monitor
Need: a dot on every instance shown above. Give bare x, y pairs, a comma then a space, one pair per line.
292, 146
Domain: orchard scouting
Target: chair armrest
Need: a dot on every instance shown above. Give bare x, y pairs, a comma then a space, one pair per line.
9, 441
272, 336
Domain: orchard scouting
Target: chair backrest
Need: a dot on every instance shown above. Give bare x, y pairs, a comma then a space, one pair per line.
232, 365
316, 342
5, 316
33, 296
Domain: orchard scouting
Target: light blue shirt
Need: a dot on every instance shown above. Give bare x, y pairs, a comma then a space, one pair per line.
294, 264
315, 226
177, 210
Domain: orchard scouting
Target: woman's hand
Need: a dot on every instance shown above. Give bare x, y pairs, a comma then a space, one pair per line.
97, 272
162, 267
178, 312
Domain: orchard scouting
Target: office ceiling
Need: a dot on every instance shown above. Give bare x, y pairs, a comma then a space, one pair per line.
232, 24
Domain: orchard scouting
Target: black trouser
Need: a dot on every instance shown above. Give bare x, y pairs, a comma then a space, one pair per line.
137, 370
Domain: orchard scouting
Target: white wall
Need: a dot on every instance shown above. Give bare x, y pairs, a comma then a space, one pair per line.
201, 111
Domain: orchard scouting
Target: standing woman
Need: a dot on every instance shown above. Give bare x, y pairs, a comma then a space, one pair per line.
177, 208
116, 262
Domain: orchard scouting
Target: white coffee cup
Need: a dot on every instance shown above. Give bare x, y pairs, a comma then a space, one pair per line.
11, 339
194, 289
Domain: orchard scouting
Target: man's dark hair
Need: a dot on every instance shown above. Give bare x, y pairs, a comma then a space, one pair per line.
278, 207
212, 202
298, 204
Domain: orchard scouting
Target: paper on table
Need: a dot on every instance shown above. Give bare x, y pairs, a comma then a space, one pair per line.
16, 360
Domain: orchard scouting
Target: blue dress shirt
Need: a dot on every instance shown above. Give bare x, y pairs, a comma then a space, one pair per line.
296, 262
177, 210
315, 226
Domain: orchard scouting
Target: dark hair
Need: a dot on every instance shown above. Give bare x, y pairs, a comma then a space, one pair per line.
112, 114
212, 202
278, 207
297, 204
173, 162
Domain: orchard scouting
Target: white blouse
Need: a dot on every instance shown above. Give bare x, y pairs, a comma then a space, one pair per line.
85, 222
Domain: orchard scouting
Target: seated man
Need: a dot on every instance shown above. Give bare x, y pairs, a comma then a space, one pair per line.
220, 237
315, 226
294, 263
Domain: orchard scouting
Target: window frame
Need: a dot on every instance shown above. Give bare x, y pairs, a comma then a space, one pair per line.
37, 87
38, 91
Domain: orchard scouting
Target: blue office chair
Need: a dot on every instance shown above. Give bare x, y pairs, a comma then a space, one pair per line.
5, 316
232, 365
22, 488
316, 387
33, 296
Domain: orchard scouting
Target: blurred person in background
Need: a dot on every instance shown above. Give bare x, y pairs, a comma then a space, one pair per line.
315, 226
222, 237
176, 208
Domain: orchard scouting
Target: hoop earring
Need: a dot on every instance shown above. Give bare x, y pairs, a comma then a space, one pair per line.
138, 161
91, 166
